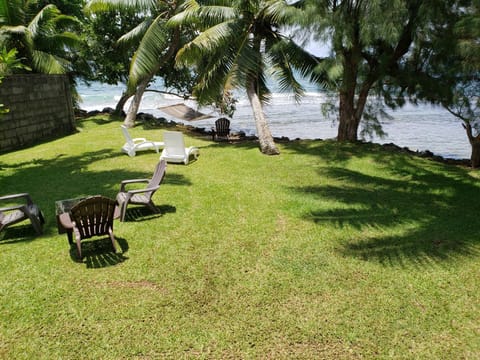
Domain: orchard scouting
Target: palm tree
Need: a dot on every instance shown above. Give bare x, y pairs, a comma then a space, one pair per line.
40, 37
156, 43
241, 44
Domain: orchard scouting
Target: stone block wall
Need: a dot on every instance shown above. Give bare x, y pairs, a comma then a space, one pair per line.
40, 107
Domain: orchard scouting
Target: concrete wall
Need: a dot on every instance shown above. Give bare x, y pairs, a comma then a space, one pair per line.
40, 108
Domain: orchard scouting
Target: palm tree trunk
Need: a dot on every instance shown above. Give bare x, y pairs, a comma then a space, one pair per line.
121, 103
267, 144
135, 104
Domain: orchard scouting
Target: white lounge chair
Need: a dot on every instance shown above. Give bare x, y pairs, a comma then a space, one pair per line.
175, 150
138, 144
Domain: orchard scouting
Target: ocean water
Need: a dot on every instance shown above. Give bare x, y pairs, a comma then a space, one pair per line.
419, 128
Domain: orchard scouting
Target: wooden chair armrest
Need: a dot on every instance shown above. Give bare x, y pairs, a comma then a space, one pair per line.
15, 207
18, 196
131, 181
139, 191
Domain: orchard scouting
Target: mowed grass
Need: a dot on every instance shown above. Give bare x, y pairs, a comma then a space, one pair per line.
329, 250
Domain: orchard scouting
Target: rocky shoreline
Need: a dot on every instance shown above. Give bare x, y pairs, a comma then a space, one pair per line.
154, 122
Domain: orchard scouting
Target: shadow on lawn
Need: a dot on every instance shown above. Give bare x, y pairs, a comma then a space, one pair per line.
66, 177
428, 213
143, 213
98, 253
22, 232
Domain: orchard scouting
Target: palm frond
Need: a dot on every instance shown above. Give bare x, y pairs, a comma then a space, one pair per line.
11, 12
47, 63
43, 19
154, 43
18, 29
106, 5
283, 69
136, 34
215, 39
66, 39
187, 16
65, 21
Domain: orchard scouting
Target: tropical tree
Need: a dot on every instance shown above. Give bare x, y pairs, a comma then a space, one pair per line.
156, 45
459, 65
465, 100
239, 46
374, 47
465, 105
445, 68
109, 61
8, 65
42, 38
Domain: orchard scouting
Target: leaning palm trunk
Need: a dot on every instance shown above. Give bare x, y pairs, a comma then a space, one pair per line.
135, 104
267, 145
143, 84
121, 103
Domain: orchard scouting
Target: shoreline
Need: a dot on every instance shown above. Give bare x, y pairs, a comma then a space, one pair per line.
159, 122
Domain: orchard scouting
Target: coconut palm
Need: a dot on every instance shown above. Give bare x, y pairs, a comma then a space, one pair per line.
41, 37
241, 44
156, 43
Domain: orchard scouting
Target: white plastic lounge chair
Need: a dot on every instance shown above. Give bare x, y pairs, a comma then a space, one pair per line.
175, 150
138, 144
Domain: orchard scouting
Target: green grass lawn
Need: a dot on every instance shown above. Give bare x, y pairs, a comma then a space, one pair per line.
329, 250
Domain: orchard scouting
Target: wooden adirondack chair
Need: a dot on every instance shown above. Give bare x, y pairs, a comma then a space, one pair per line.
222, 129
93, 216
26, 209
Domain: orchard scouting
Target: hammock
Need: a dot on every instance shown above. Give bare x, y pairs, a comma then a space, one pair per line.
184, 112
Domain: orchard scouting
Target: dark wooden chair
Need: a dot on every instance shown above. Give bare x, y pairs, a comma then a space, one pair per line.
93, 216
141, 196
25, 210
222, 129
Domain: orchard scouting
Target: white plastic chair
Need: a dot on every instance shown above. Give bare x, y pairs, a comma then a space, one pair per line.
175, 150
138, 144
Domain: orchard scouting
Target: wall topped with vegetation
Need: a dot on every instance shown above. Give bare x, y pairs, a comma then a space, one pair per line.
40, 107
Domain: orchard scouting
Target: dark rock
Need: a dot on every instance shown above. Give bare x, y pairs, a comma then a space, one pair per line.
108, 110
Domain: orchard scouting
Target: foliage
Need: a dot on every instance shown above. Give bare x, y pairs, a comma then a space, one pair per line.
376, 46
3, 109
69, 7
239, 45
153, 42
225, 104
109, 61
9, 63
465, 100
349, 251
445, 68
44, 38
225, 53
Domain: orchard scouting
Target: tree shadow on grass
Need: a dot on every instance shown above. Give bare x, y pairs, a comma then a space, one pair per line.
98, 253
22, 232
410, 214
143, 213
66, 177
